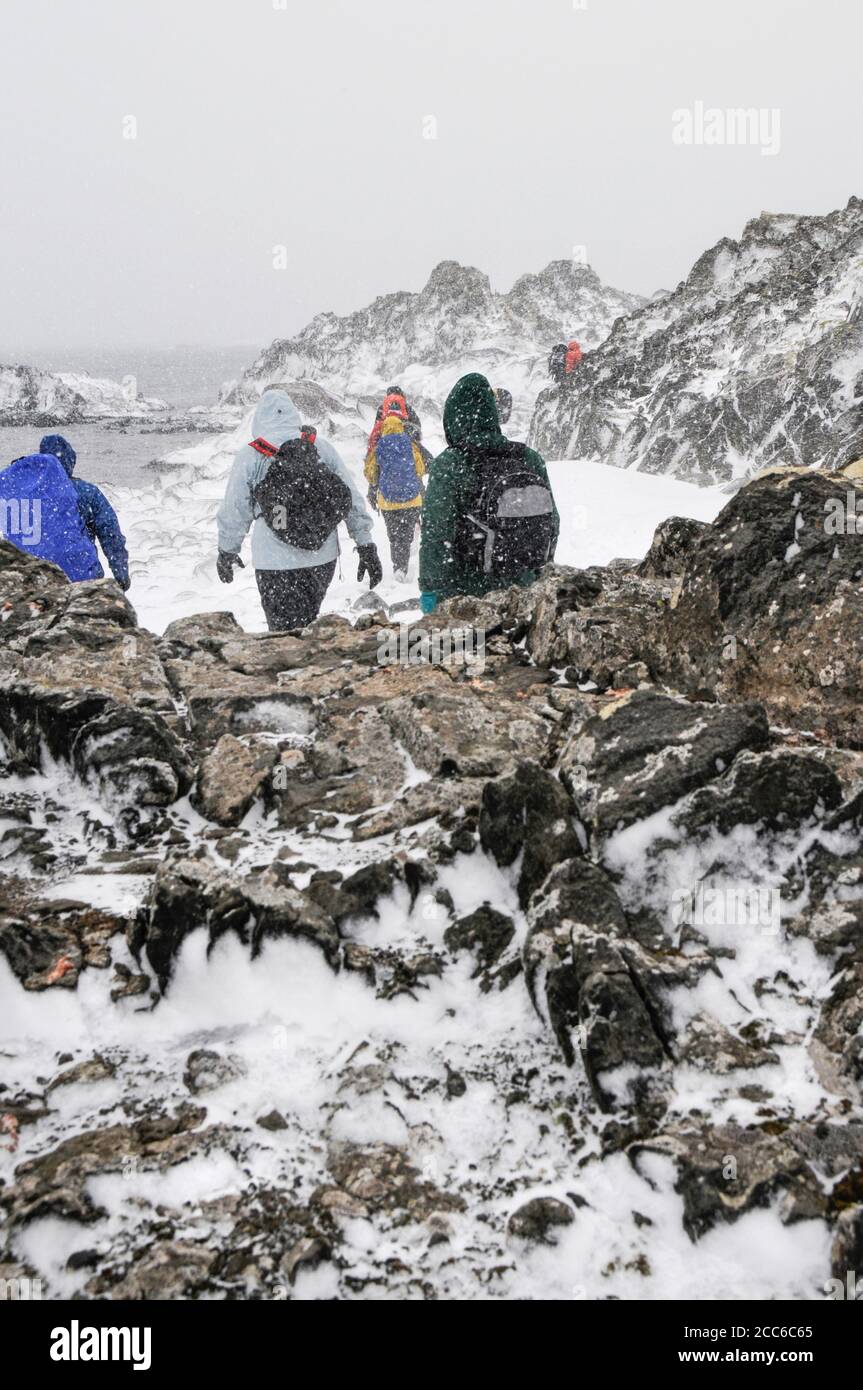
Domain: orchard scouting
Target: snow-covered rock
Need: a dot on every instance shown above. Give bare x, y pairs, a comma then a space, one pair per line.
400, 1001
29, 396
756, 357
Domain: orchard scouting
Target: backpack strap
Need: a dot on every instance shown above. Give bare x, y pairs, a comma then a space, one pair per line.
263, 446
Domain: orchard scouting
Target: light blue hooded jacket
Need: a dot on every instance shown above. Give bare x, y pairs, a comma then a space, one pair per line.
277, 419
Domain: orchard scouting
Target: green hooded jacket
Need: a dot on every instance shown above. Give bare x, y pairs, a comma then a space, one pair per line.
470, 417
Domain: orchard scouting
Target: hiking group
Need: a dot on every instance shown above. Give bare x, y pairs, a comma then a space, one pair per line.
483, 508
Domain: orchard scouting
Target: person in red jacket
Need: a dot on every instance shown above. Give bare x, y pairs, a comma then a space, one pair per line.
573, 357
562, 362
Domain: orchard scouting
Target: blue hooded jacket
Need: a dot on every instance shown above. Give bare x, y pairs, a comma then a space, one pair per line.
276, 419
39, 514
98, 515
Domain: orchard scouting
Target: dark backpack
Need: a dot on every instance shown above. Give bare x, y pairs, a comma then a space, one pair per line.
508, 525
300, 498
557, 362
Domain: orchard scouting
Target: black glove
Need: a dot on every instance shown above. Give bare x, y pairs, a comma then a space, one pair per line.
373, 498
125, 584
370, 564
225, 566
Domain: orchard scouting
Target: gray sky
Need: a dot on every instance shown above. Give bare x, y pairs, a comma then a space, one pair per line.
303, 127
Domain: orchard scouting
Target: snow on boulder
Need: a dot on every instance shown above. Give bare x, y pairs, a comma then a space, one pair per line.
29, 396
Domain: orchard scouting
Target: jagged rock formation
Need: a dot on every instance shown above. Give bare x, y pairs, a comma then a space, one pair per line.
425, 341
756, 357
504, 891
40, 399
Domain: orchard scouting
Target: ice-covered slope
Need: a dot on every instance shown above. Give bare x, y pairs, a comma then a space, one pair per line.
757, 356
456, 323
29, 396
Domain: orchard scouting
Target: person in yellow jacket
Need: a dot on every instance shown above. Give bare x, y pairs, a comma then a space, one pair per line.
394, 469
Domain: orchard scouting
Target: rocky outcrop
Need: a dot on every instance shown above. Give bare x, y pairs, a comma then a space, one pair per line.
646, 750
769, 607
755, 358
80, 681
32, 397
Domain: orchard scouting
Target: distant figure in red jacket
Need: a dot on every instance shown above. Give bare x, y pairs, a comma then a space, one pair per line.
562, 362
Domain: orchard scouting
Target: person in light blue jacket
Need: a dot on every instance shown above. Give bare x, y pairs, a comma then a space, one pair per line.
291, 582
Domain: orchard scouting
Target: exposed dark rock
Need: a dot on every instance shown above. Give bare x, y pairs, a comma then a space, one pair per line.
229, 778
846, 1255
95, 1068
272, 1121
769, 606
47, 942
597, 624
486, 933
539, 1218
528, 813
466, 733
207, 1071
191, 894
307, 1254
708, 1045
55, 1183
381, 1176
647, 750
583, 974
725, 1170
778, 790
670, 548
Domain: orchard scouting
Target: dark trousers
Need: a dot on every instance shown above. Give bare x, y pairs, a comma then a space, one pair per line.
293, 598
400, 529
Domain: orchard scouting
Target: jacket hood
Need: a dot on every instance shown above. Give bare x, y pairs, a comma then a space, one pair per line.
470, 414
276, 418
61, 449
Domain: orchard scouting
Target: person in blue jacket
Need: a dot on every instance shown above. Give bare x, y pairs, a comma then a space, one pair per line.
99, 518
291, 582
39, 514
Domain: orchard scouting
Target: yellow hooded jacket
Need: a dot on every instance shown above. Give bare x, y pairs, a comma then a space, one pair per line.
393, 425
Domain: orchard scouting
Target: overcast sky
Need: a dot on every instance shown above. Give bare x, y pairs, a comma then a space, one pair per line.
304, 124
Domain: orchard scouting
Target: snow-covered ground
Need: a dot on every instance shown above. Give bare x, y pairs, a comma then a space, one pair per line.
344, 1065
171, 528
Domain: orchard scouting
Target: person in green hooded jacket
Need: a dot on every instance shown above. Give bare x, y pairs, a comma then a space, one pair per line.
453, 557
